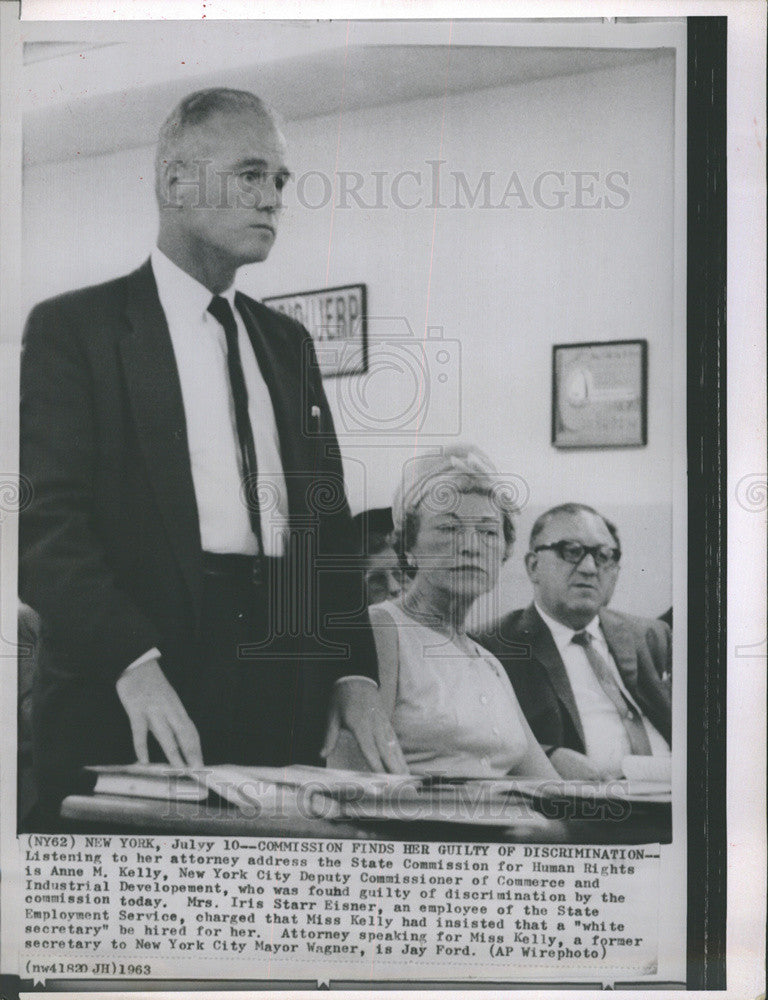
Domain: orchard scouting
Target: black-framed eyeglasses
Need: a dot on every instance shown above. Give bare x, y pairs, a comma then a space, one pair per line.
574, 552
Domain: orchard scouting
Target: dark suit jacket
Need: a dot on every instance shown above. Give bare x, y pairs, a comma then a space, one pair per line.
110, 552
641, 648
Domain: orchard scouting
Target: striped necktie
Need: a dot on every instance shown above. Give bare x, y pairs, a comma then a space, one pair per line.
630, 717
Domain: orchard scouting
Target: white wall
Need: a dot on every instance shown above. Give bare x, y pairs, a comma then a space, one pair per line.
504, 284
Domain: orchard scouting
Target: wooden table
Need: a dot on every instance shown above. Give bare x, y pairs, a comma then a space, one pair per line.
122, 814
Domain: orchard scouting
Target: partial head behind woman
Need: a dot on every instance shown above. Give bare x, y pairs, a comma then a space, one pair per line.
453, 519
382, 572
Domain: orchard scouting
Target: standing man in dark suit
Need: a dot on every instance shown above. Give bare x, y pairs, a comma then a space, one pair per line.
188, 504
589, 680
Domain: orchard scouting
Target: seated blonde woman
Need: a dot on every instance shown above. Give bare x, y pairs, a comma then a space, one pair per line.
450, 701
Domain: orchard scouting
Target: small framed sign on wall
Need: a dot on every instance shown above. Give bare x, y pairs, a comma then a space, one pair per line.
337, 320
600, 394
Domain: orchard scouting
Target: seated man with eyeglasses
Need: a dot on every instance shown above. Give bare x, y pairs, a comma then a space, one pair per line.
589, 680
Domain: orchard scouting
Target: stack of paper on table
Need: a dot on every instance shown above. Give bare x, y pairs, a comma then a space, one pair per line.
148, 781
301, 791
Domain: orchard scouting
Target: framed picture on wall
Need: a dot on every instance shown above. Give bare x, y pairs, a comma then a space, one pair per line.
600, 394
338, 322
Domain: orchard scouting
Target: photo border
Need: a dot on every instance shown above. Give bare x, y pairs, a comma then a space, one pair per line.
707, 519
707, 502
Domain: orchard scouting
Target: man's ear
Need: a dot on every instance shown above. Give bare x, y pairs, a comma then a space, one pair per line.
531, 562
169, 191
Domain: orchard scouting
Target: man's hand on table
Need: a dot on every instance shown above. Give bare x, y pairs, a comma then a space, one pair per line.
356, 705
153, 706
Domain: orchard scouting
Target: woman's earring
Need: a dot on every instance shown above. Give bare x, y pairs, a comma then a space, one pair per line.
410, 560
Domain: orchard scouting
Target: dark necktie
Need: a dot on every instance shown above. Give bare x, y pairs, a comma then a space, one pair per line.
630, 717
221, 310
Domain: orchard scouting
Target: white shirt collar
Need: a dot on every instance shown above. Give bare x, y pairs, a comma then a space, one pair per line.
563, 634
179, 291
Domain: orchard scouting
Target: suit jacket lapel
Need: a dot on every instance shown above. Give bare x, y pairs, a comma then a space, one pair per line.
643, 683
545, 651
622, 646
284, 382
154, 389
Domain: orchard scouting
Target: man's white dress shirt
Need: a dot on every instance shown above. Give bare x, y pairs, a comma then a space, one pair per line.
605, 737
200, 348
